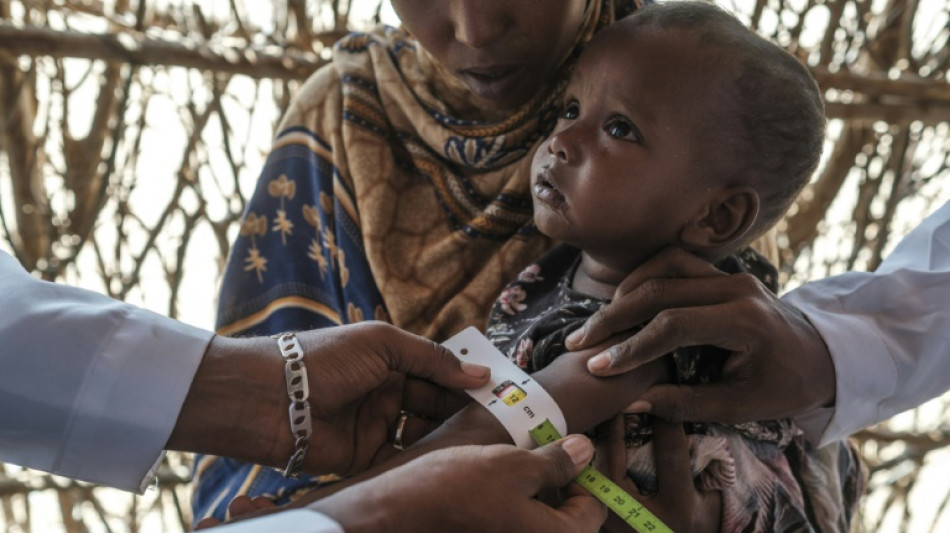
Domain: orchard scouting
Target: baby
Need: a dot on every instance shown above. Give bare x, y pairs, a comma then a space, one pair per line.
680, 126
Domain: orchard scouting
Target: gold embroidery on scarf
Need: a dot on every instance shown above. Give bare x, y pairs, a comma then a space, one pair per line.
345, 199
326, 203
301, 138
344, 272
276, 305
354, 313
282, 188
254, 226
315, 250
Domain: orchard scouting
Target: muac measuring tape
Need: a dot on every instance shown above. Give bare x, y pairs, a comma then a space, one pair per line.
519, 403
615, 498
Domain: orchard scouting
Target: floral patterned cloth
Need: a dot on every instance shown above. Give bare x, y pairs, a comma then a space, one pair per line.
771, 479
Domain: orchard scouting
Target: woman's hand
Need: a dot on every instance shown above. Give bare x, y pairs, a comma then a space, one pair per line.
677, 503
779, 367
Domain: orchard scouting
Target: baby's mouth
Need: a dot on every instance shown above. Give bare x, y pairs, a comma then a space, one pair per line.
547, 192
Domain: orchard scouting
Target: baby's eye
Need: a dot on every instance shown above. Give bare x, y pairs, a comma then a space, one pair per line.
570, 111
621, 128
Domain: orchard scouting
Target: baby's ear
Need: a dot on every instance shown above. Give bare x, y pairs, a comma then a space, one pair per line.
723, 220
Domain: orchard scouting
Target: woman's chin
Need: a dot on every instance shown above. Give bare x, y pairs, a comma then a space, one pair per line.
497, 98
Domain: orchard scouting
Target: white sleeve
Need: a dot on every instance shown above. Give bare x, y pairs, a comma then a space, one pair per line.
90, 388
888, 332
294, 521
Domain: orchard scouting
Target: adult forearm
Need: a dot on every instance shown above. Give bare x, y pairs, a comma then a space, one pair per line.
886, 330
236, 403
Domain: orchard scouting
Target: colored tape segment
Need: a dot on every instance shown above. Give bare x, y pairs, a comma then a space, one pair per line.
512, 396
615, 498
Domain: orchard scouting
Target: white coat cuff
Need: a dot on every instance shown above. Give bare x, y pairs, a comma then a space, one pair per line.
865, 372
140, 379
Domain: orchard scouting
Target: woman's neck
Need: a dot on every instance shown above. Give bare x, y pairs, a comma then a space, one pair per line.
596, 279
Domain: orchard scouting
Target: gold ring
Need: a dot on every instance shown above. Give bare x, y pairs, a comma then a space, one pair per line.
400, 426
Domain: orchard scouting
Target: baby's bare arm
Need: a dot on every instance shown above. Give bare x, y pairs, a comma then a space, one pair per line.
585, 400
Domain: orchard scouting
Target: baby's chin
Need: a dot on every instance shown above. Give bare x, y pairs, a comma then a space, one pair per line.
539, 225
551, 223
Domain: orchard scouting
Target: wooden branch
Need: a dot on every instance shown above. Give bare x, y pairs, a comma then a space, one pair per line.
929, 441
881, 98
812, 207
143, 49
17, 114
879, 84
903, 99
898, 167
928, 112
67, 504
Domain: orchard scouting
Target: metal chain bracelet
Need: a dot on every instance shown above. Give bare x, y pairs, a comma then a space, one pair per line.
298, 390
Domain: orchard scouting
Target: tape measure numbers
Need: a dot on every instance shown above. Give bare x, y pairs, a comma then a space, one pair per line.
615, 498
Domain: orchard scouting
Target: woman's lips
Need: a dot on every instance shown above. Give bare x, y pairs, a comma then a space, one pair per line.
492, 83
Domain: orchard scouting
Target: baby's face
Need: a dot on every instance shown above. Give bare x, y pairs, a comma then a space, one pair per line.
618, 176
504, 51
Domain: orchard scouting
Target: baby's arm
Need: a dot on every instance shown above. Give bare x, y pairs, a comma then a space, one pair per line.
585, 400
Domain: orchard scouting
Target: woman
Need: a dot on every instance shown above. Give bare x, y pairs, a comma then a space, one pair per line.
397, 188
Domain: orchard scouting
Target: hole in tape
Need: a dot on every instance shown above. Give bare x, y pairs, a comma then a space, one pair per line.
464, 351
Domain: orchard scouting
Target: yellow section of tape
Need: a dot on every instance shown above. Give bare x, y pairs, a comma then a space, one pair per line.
615, 498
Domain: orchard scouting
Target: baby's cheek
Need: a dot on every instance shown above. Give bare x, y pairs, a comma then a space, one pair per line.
538, 156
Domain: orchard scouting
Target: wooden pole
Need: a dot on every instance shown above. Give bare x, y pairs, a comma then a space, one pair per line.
128, 46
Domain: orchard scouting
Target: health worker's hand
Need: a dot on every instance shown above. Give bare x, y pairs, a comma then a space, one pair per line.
473, 489
361, 377
462, 489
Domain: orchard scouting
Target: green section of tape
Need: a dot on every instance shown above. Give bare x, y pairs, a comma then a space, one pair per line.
615, 498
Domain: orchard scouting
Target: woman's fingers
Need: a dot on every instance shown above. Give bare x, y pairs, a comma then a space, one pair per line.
646, 291
682, 312
671, 262
611, 460
678, 503
671, 454
611, 456
714, 325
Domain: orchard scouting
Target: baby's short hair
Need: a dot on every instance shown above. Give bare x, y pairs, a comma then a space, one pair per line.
776, 105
